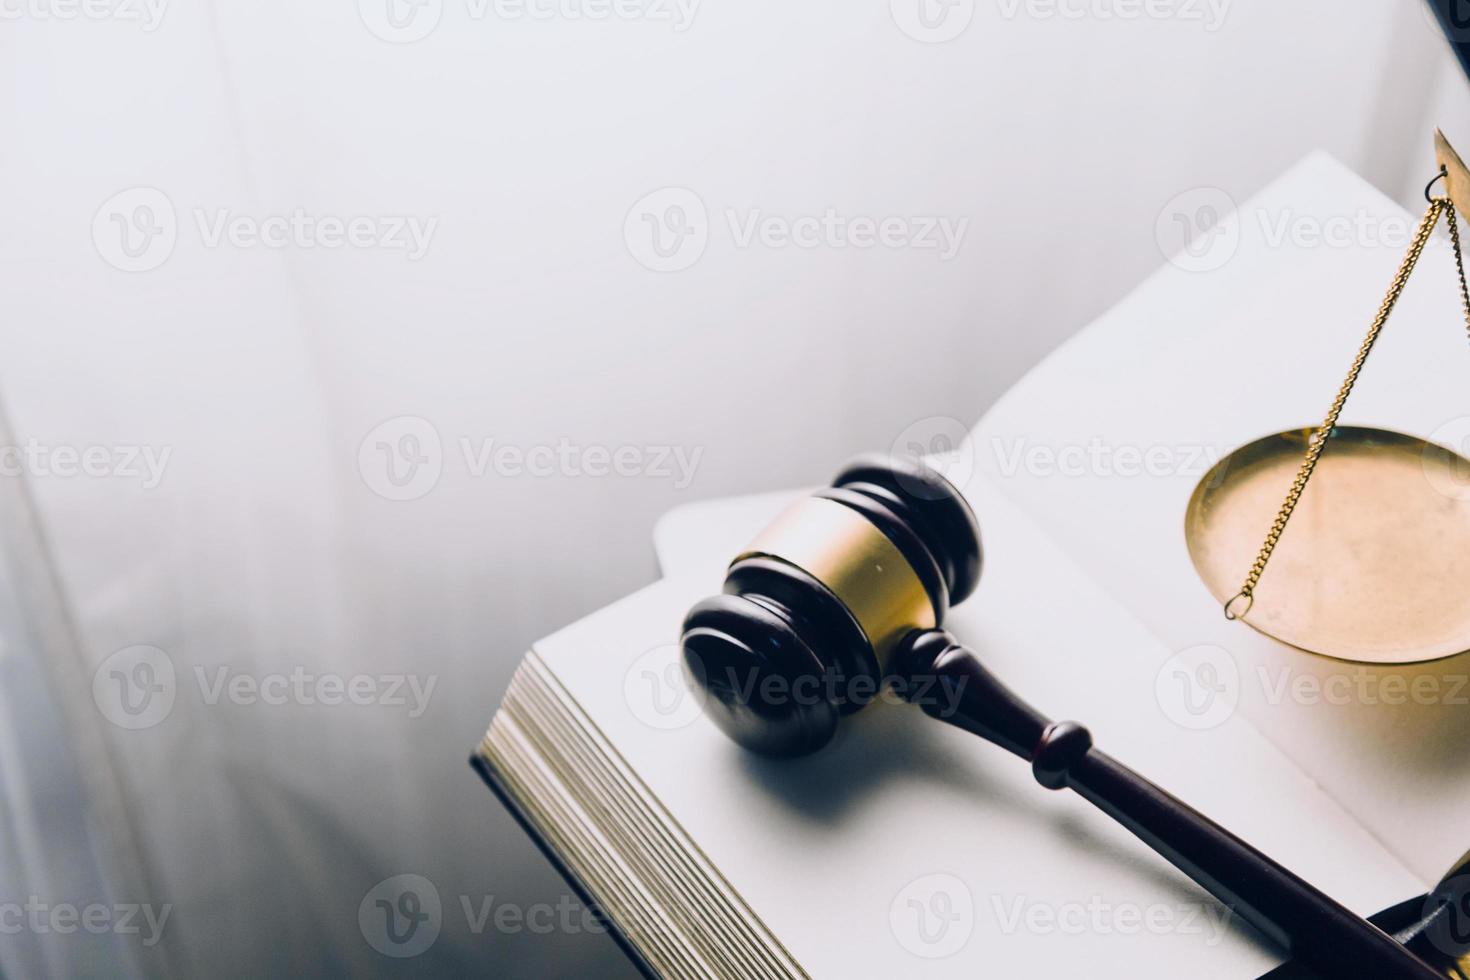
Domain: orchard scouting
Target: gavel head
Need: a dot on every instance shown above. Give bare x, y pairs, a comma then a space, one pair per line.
814, 607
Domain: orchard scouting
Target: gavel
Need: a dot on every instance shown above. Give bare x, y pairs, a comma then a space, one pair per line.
847, 590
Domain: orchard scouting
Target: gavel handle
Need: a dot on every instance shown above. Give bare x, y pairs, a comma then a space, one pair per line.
1318, 932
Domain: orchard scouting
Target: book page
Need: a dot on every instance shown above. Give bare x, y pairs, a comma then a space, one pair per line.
910, 848
1103, 443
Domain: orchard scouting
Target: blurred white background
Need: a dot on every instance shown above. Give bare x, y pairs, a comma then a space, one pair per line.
550, 305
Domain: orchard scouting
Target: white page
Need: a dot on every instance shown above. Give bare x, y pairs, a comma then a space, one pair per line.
1214, 359
824, 848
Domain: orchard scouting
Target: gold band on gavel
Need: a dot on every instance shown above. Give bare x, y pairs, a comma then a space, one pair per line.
844, 551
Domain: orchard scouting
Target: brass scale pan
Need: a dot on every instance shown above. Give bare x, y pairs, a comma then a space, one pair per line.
1375, 564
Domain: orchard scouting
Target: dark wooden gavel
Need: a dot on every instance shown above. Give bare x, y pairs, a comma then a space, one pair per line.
846, 591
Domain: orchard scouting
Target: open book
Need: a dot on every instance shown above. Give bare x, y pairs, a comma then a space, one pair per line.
910, 849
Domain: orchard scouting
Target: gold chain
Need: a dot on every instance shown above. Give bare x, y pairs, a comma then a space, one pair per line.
1459, 260
1318, 441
